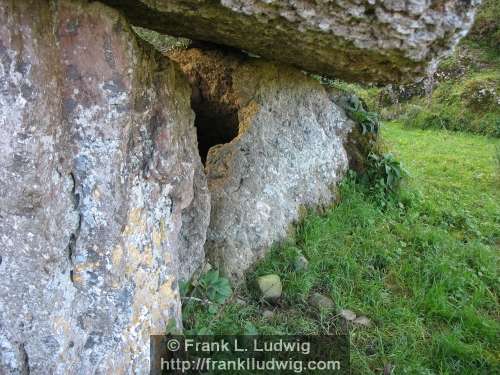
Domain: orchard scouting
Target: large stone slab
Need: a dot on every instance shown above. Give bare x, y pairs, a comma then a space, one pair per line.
363, 40
99, 180
281, 150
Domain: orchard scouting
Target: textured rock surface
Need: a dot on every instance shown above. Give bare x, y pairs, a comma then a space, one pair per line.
288, 153
100, 179
370, 40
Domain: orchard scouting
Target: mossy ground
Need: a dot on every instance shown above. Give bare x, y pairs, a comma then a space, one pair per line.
468, 101
424, 269
486, 29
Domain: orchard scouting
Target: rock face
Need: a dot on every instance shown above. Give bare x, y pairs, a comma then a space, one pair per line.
100, 182
288, 152
369, 40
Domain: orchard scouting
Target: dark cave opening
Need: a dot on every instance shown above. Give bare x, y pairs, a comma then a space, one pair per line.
214, 126
209, 69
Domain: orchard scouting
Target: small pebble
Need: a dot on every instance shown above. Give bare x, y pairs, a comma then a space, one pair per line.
270, 286
362, 321
347, 315
267, 314
321, 302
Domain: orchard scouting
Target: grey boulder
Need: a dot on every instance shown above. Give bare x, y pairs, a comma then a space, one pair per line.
99, 178
281, 150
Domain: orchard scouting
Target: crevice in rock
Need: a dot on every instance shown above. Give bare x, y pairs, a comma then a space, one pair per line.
24, 360
74, 236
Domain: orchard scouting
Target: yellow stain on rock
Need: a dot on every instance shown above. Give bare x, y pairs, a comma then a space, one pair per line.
77, 278
166, 297
143, 297
157, 237
133, 258
167, 294
147, 257
80, 269
159, 234
136, 222
117, 255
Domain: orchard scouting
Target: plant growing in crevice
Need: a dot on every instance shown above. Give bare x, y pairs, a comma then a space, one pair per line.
382, 173
214, 287
368, 122
364, 137
209, 293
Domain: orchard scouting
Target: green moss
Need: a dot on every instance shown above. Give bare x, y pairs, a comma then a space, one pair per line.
163, 43
486, 29
369, 94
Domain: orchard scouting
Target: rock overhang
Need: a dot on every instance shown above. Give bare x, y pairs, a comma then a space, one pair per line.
356, 40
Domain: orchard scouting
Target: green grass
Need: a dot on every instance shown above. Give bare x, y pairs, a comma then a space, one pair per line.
424, 269
457, 175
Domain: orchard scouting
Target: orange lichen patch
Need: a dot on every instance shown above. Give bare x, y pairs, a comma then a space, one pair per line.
81, 269
134, 258
136, 224
246, 116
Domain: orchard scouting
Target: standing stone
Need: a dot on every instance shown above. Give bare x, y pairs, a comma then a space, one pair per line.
369, 40
195, 217
99, 172
283, 150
